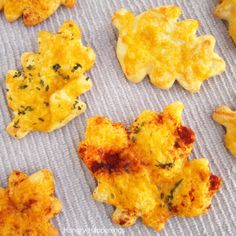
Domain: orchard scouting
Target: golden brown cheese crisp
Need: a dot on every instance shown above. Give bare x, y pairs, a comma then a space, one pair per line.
28, 204
32, 11
145, 172
226, 10
45, 95
226, 117
156, 44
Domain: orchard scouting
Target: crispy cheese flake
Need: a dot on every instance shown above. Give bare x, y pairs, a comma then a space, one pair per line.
145, 172
45, 96
226, 10
28, 204
226, 117
156, 44
32, 11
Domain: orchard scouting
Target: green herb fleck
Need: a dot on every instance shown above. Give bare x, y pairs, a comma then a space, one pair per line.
16, 124
23, 86
76, 67
133, 139
56, 67
41, 119
167, 165
66, 77
136, 129
143, 123
41, 82
47, 88
87, 79
170, 196
162, 195
24, 110
30, 67
17, 74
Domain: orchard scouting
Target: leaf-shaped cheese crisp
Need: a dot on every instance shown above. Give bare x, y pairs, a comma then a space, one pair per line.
28, 204
45, 96
226, 117
156, 44
226, 10
145, 172
32, 11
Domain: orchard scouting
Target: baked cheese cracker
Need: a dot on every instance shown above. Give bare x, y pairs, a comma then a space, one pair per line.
28, 204
32, 11
156, 44
145, 172
46, 95
226, 117
226, 10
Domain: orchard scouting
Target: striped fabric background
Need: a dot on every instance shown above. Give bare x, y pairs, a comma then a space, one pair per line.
114, 97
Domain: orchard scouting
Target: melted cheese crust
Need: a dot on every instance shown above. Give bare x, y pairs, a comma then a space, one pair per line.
226, 117
28, 204
226, 10
45, 96
32, 11
145, 172
156, 44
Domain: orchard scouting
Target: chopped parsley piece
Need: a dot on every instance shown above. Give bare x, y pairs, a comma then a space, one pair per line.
136, 129
133, 139
17, 74
30, 67
47, 88
76, 67
24, 110
65, 77
56, 67
170, 196
23, 86
16, 124
167, 165
41, 82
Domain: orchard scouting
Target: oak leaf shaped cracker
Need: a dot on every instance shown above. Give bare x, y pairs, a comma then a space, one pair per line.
156, 44
28, 204
226, 117
226, 10
45, 96
32, 11
145, 172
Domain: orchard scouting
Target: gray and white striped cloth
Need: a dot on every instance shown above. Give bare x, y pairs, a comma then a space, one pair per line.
114, 97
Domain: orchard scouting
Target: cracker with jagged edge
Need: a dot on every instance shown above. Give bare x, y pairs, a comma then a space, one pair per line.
28, 204
226, 10
144, 171
226, 117
156, 44
32, 11
45, 96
